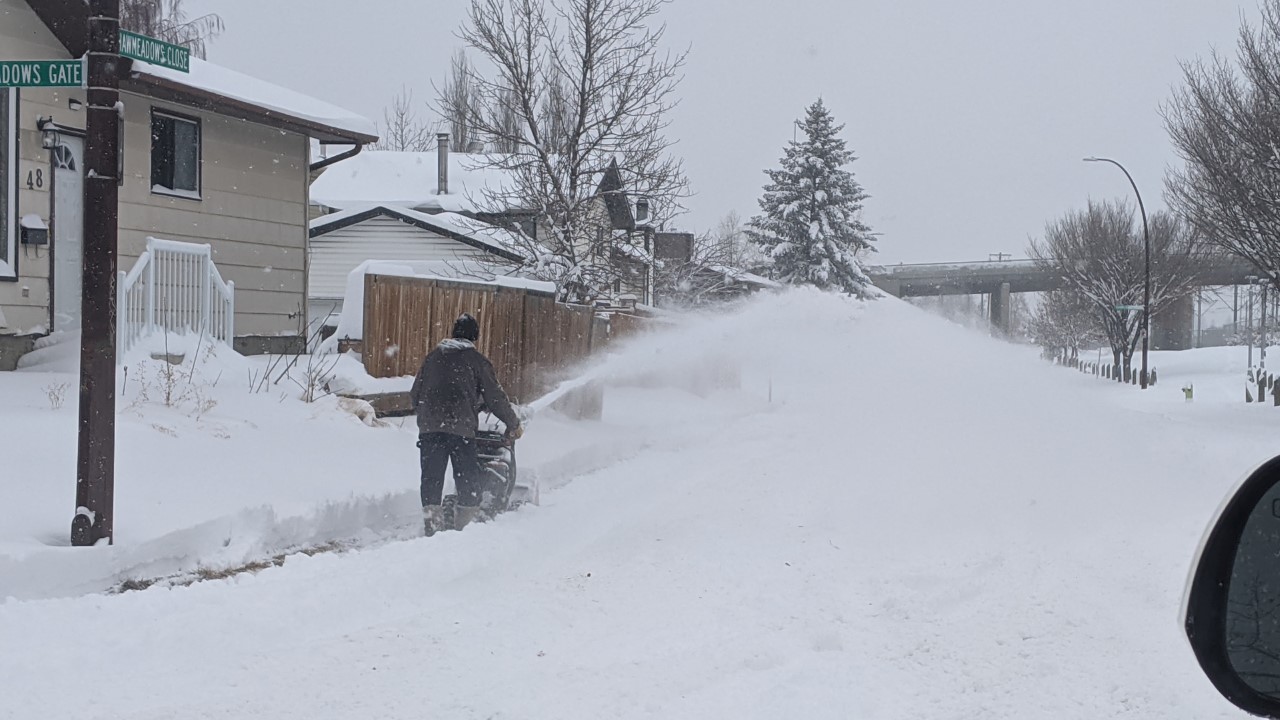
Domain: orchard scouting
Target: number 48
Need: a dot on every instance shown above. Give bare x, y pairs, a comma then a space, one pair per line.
35, 179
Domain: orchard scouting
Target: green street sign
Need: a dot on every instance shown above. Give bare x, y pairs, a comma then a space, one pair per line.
1129, 307
156, 52
41, 73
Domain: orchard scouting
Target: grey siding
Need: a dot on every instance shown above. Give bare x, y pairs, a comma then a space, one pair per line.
334, 255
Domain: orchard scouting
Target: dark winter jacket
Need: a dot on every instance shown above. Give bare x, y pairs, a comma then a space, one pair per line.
452, 387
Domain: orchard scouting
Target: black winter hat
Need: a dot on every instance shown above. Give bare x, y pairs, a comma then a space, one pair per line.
466, 328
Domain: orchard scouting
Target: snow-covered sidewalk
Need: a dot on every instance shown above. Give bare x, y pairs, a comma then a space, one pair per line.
218, 475
884, 516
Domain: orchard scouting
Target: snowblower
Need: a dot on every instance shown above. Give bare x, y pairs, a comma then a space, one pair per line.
501, 489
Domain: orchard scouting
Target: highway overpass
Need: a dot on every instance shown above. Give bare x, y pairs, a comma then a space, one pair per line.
1000, 278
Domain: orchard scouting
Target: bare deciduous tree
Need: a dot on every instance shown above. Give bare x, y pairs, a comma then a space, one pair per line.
1098, 252
576, 85
735, 243
401, 129
706, 275
167, 20
460, 107
1225, 123
1065, 323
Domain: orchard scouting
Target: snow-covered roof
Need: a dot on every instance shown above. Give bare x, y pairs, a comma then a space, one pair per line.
325, 120
634, 252
408, 179
475, 232
743, 276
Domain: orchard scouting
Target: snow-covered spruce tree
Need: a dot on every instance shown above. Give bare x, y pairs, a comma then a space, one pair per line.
811, 228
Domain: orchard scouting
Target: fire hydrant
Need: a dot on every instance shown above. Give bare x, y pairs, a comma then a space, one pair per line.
1188, 391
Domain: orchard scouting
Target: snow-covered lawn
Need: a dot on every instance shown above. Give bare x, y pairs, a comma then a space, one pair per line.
887, 516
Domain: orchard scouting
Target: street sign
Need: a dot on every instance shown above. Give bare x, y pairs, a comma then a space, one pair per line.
41, 73
156, 52
1136, 308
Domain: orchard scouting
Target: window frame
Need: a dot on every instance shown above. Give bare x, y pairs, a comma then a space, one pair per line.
196, 195
9, 233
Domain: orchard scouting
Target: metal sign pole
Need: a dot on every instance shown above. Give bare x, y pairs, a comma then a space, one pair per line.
95, 461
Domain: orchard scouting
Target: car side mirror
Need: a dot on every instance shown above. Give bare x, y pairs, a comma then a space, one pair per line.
1232, 606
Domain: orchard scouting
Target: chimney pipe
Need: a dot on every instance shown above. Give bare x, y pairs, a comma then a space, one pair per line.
442, 157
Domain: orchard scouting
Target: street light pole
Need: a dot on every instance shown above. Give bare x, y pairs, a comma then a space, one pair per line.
1146, 244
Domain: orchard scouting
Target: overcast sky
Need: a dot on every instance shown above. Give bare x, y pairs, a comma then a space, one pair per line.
969, 118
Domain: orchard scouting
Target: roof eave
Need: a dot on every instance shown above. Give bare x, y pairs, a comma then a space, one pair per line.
161, 88
68, 20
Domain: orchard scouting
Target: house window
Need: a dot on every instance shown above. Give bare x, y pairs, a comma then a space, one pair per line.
175, 155
8, 184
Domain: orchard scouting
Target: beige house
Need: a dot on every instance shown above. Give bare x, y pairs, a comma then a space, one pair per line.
209, 157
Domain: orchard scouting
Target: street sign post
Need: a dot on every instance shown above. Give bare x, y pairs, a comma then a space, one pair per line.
96, 451
156, 52
42, 73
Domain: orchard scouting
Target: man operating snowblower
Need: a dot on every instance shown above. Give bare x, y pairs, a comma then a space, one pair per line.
456, 382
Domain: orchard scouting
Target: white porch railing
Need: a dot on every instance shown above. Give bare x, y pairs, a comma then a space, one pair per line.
174, 286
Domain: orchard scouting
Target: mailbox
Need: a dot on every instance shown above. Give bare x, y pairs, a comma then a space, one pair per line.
34, 230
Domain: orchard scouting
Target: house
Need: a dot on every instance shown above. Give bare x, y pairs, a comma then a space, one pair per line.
427, 182
210, 157
688, 280
629, 260
441, 181
449, 244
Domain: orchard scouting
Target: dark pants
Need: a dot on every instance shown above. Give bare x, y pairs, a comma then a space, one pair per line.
437, 450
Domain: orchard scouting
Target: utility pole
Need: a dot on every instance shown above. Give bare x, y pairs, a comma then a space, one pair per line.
95, 460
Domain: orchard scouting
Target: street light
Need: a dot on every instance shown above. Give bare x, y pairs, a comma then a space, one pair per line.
1146, 243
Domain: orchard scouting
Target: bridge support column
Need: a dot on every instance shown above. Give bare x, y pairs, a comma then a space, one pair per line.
1173, 328
1000, 310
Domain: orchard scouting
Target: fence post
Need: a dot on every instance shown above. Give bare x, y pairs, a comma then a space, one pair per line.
151, 286
231, 312
122, 316
206, 287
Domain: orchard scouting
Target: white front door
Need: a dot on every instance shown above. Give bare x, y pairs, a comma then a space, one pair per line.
68, 231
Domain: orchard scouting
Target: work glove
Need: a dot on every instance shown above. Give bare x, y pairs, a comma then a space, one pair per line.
515, 433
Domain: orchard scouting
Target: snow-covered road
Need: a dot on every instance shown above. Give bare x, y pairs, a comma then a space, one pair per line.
889, 517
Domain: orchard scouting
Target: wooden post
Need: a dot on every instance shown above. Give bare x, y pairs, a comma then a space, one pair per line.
95, 457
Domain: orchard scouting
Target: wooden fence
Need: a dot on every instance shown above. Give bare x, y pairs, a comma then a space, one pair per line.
531, 339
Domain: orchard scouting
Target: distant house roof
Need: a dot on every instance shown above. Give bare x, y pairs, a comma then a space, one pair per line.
211, 87
410, 180
469, 231
615, 198
744, 277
